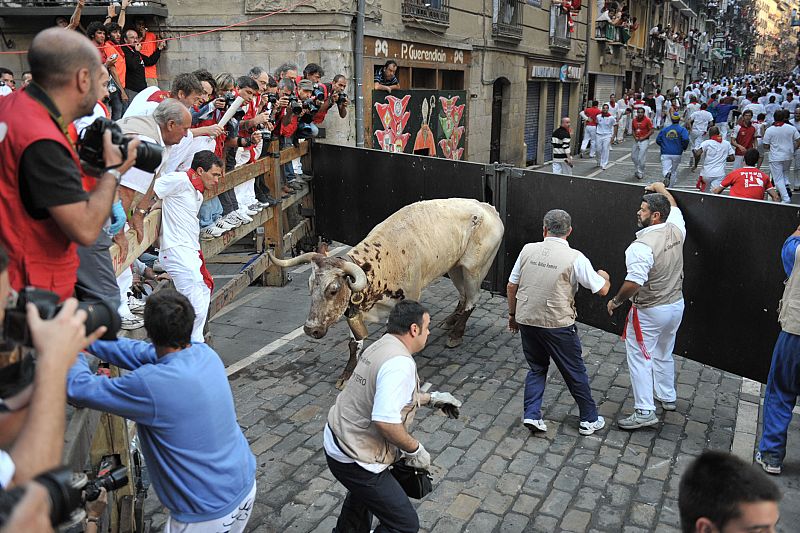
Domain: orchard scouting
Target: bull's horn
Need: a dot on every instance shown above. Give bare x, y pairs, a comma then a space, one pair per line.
354, 273
294, 261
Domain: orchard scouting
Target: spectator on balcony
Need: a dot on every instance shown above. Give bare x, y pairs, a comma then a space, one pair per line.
74, 23
136, 63
150, 43
108, 54
386, 76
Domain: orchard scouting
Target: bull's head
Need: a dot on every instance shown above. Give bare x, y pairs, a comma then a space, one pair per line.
332, 282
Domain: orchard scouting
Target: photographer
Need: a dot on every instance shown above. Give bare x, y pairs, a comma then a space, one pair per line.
177, 393
33, 396
306, 126
287, 126
335, 95
46, 210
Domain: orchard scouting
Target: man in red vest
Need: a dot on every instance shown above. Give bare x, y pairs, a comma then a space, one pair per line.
44, 210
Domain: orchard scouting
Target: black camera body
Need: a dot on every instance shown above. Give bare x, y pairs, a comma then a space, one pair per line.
295, 104
266, 135
273, 98
229, 97
68, 492
15, 325
90, 148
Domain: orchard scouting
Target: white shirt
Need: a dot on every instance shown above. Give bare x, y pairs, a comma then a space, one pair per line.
179, 223
660, 101
7, 469
583, 272
5, 90
771, 108
716, 154
791, 106
394, 390
690, 110
139, 106
639, 258
605, 125
700, 121
781, 141
756, 108
84, 122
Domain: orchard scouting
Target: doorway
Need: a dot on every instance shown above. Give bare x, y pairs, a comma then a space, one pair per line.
500, 87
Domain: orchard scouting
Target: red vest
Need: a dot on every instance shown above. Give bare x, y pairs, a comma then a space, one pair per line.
40, 254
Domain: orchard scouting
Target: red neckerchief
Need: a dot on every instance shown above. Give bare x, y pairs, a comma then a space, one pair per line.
717, 138
158, 96
196, 181
779, 124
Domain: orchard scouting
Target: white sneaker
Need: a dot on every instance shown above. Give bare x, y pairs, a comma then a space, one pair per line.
243, 216
131, 322
135, 305
247, 211
587, 428
534, 425
257, 207
210, 232
233, 219
223, 224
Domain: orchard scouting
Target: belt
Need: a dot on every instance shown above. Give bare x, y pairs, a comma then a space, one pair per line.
633, 315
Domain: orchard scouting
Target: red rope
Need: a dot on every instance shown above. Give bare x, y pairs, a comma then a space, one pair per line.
212, 30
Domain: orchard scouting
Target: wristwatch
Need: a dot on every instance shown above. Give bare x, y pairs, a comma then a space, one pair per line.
114, 172
142, 211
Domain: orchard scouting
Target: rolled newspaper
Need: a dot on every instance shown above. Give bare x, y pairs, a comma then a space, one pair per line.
231, 111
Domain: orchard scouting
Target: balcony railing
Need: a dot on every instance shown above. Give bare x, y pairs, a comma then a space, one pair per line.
507, 19
559, 28
429, 11
605, 31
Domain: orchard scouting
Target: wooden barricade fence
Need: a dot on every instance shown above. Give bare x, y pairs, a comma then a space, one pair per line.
91, 434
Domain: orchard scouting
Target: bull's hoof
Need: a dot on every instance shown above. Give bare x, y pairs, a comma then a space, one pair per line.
454, 343
446, 324
341, 383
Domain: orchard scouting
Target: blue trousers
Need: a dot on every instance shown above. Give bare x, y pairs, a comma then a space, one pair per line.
288, 169
783, 387
563, 346
210, 211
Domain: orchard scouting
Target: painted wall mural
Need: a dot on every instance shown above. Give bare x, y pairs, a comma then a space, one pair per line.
433, 118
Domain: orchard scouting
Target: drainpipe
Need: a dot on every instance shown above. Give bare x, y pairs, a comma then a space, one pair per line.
358, 60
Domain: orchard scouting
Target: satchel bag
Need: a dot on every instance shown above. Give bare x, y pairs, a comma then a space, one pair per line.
416, 483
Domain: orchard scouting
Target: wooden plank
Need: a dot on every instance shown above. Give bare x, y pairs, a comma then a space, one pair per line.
215, 246
240, 282
294, 152
296, 233
152, 225
238, 176
276, 276
78, 438
232, 259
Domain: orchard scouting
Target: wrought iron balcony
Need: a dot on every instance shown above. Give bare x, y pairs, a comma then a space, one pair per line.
93, 8
436, 12
560, 38
507, 20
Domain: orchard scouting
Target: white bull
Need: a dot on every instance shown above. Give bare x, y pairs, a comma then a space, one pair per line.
399, 258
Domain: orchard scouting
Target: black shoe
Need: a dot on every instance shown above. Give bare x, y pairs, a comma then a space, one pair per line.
305, 177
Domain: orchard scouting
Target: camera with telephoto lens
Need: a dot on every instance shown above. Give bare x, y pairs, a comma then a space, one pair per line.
229, 98
273, 98
15, 324
342, 98
295, 104
266, 135
90, 148
67, 491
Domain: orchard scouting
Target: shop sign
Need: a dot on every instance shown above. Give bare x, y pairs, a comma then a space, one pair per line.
410, 51
563, 73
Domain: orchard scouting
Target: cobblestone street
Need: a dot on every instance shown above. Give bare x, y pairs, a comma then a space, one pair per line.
490, 473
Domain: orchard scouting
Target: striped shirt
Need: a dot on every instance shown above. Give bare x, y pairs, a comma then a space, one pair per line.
561, 144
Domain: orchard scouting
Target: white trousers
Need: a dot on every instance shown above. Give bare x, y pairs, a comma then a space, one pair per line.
603, 147
182, 263
796, 169
639, 156
621, 126
562, 168
695, 138
669, 165
738, 161
235, 522
245, 192
659, 117
124, 282
659, 326
589, 135
723, 129
778, 171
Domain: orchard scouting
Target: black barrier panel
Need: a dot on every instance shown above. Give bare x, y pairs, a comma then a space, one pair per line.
733, 272
356, 188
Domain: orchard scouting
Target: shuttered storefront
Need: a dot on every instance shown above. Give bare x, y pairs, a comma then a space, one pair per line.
532, 121
550, 119
603, 87
566, 92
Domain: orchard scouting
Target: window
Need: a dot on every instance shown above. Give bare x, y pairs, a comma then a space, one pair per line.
428, 11
507, 19
559, 27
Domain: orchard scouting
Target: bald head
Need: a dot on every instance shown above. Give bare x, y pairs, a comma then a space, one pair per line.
57, 55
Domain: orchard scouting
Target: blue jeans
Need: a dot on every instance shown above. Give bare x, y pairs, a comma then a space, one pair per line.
210, 211
306, 131
563, 346
288, 169
783, 386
